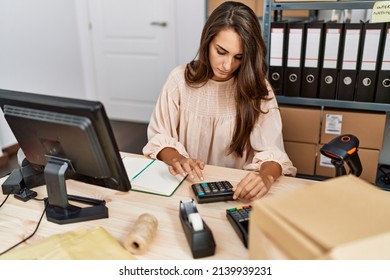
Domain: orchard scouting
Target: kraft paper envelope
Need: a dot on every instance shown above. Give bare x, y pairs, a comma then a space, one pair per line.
81, 244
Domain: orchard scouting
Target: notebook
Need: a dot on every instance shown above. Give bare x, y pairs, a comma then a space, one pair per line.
151, 176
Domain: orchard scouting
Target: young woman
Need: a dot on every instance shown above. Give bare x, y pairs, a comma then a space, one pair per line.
220, 110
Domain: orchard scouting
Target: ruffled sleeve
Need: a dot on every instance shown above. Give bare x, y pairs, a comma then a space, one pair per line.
162, 131
267, 140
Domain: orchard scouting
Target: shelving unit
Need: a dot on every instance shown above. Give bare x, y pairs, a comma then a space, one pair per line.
330, 103
269, 6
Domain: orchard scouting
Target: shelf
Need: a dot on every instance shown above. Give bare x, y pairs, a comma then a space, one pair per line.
269, 6
367, 106
329, 5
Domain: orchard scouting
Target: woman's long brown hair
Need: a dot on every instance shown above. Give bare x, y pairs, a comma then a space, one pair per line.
250, 76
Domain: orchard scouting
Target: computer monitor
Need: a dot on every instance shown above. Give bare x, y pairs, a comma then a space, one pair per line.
65, 138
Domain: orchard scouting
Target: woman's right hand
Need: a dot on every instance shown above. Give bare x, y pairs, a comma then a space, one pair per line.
179, 164
187, 166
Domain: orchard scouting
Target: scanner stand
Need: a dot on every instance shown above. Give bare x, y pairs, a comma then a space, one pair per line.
344, 148
201, 242
339, 165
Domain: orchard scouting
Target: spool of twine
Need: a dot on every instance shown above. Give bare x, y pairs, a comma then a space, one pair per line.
141, 235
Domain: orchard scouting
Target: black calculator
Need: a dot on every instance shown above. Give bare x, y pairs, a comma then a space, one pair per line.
213, 191
239, 219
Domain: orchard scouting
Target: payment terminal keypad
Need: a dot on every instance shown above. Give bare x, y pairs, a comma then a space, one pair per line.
239, 219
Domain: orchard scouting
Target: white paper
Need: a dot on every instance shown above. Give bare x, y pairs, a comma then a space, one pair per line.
325, 161
370, 50
331, 48
386, 54
151, 176
312, 47
351, 49
333, 124
276, 51
294, 47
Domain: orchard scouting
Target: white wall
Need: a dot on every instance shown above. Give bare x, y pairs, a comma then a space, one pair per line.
7, 138
39, 50
190, 16
44, 44
45, 47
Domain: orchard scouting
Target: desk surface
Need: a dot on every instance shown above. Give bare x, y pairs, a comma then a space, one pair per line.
18, 219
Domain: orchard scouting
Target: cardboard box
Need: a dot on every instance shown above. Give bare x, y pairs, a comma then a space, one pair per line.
301, 124
277, 1
295, 13
212, 4
315, 222
257, 7
368, 127
286, 13
368, 158
371, 248
302, 155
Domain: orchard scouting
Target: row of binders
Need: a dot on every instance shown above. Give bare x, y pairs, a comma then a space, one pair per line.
331, 60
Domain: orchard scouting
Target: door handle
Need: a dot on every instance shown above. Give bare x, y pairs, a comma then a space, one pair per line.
159, 23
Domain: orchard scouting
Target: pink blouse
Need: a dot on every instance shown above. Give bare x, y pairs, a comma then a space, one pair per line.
199, 123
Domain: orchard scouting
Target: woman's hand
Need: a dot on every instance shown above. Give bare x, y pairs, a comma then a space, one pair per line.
179, 164
253, 186
187, 166
257, 184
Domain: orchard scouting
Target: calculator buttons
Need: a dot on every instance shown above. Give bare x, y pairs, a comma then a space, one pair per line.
213, 191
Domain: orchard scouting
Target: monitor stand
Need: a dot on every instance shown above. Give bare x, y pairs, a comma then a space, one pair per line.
58, 208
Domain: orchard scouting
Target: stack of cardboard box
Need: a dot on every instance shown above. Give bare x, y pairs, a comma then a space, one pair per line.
301, 135
307, 129
257, 7
340, 218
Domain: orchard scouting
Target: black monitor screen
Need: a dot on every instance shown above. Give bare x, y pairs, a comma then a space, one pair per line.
68, 139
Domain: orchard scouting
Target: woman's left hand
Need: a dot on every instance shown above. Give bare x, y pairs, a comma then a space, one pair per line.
257, 184
253, 186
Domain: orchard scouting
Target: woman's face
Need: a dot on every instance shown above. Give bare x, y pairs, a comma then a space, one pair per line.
225, 54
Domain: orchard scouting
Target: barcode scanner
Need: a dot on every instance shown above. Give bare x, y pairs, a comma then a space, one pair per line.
341, 149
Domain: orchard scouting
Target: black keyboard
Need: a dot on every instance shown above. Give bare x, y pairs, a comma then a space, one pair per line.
239, 219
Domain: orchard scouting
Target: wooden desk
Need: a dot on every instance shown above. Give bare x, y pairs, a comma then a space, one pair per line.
18, 219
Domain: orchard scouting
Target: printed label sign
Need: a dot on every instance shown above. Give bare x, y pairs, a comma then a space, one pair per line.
333, 124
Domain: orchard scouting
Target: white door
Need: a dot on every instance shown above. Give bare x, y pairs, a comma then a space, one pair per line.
134, 51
